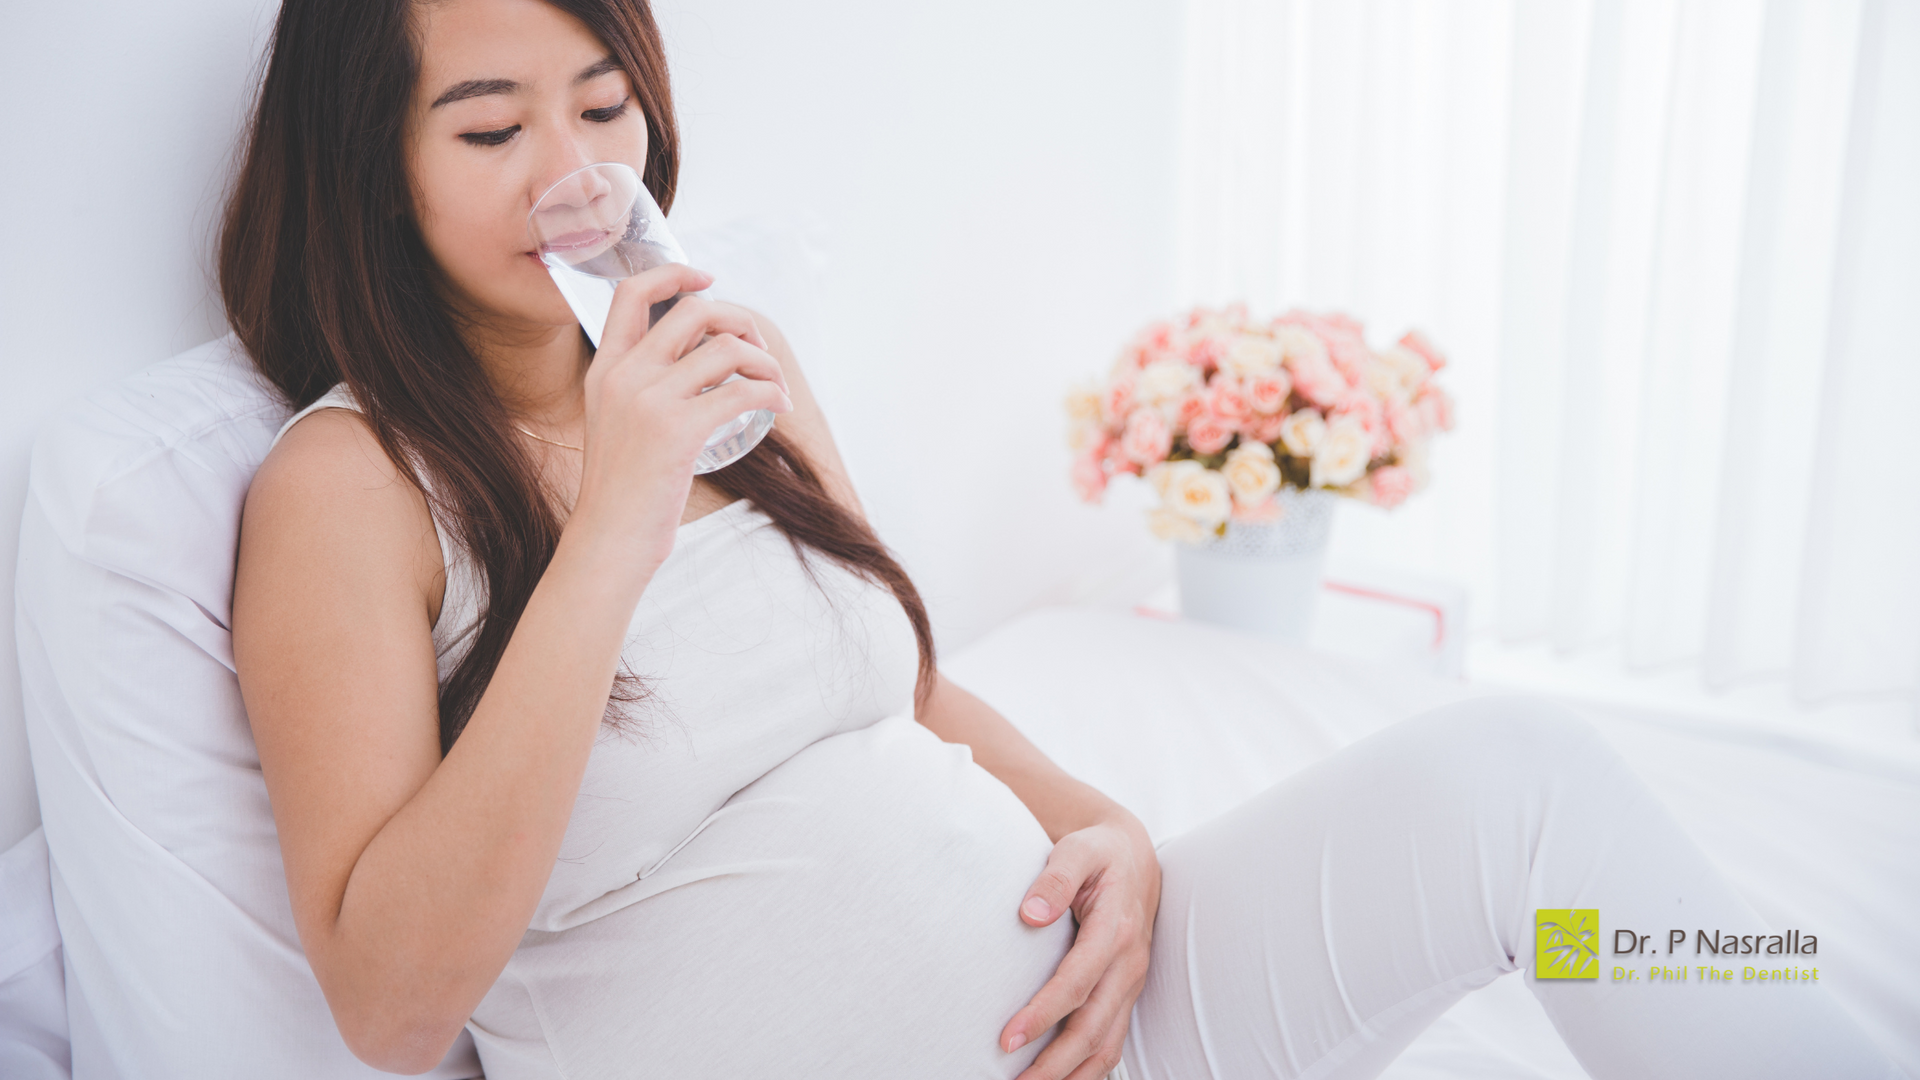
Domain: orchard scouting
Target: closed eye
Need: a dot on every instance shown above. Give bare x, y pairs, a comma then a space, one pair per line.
611, 112
490, 138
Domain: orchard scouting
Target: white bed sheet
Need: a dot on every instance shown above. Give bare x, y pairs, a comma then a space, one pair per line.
1180, 721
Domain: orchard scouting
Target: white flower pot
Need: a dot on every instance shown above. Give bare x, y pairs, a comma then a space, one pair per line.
1262, 579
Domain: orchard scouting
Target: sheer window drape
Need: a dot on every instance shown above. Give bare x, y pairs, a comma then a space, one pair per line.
1673, 247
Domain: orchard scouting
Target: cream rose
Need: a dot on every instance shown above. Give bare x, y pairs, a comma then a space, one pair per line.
1193, 490
1251, 354
1413, 458
1251, 474
1159, 476
1409, 368
1083, 405
1302, 431
1168, 525
1342, 453
1165, 381
1085, 423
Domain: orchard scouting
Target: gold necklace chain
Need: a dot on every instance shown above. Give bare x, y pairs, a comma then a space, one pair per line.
550, 442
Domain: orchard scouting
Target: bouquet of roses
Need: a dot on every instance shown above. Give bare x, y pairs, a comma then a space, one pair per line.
1218, 411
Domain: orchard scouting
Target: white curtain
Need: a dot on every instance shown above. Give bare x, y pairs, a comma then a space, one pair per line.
1673, 248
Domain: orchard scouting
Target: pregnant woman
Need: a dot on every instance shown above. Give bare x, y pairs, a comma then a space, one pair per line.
635, 773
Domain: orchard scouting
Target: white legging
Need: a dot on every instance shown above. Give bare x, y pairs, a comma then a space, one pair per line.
1315, 930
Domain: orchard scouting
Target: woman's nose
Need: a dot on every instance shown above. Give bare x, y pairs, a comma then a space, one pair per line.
571, 183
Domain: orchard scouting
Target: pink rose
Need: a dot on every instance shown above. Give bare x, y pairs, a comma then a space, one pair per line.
1205, 352
1404, 422
1350, 355
1343, 324
1147, 438
1266, 510
1090, 472
1332, 324
1157, 337
1418, 343
1117, 402
1265, 429
1227, 399
1312, 370
1133, 358
1209, 434
1267, 394
1436, 409
1190, 406
1391, 485
1116, 461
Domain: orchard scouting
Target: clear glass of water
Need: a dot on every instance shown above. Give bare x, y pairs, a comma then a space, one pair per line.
597, 226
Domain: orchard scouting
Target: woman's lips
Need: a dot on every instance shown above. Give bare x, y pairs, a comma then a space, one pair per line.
576, 241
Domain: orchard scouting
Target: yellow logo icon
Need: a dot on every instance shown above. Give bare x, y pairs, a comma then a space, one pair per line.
1566, 943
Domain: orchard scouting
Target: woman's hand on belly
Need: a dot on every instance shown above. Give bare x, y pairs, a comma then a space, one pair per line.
1108, 875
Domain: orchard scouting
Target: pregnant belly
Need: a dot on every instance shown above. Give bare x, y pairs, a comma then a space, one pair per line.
852, 913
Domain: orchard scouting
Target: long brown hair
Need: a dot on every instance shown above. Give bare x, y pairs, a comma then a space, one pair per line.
326, 279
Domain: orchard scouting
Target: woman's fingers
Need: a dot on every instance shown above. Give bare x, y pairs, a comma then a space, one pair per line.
1088, 1045
692, 319
1094, 948
1069, 865
713, 362
633, 300
723, 403
1107, 1058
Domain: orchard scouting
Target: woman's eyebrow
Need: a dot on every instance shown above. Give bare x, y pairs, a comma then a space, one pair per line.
473, 88
596, 69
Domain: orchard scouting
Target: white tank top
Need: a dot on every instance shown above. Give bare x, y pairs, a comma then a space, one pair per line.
779, 872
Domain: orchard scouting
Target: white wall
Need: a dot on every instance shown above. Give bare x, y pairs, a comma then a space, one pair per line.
996, 181
121, 124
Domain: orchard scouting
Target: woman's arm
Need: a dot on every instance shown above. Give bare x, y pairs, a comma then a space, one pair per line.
1061, 803
413, 878
1102, 868
806, 425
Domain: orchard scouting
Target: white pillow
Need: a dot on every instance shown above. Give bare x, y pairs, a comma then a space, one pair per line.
33, 1005
182, 959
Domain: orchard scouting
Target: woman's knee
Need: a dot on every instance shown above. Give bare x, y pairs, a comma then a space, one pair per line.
1504, 742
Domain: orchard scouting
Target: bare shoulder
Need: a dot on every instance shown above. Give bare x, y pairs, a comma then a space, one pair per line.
328, 450
807, 424
328, 504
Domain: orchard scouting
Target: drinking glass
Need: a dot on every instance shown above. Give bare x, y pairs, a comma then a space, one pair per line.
597, 226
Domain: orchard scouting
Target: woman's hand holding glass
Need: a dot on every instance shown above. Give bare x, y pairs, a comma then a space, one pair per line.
654, 395
1108, 875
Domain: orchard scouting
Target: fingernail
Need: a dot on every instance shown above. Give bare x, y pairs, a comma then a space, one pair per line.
1035, 908
1019, 1040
